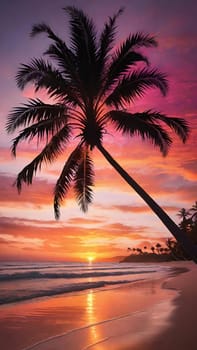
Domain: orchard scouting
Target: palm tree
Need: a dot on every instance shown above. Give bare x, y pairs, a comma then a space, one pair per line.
139, 250
193, 212
91, 86
158, 247
161, 250
193, 222
183, 214
145, 249
185, 222
166, 250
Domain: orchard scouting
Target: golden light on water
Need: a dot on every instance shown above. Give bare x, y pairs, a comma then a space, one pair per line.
91, 317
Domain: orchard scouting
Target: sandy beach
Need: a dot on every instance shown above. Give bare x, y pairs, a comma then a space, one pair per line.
145, 315
181, 331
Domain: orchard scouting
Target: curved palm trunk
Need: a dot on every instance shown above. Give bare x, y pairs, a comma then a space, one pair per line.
180, 236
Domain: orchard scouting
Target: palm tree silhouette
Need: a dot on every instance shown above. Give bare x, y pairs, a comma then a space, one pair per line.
193, 212
158, 247
183, 214
185, 222
92, 86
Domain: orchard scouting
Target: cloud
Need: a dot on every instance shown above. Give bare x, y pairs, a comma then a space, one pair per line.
190, 169
38, 194
84, 221
140, 209
24, 241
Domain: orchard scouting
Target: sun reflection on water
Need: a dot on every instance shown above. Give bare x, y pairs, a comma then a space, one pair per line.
91, 316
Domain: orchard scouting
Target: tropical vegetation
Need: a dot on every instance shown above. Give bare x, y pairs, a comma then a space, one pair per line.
188, 222
91, 85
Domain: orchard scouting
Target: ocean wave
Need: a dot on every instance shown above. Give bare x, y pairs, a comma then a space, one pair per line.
37, 267
68, 275
67, 267
77, 287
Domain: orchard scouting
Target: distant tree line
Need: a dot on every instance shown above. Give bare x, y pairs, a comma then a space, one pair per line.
172, 249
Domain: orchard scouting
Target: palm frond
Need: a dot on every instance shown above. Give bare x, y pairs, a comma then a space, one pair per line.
43, 75
140, 39
126, 56
84, 46
33, 72
59, 51
136, 125
107, 40
83, 34
41, 130
65, 58
83, 180
44, 28
178, 125
65, 179
50, 152
121, 64
33, 111
135, 85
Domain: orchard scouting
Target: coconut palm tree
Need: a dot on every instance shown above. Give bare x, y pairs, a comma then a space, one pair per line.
91, 86
185, 222
193, 212
145, 250
193, 222
158, 247
183, 214
139, 250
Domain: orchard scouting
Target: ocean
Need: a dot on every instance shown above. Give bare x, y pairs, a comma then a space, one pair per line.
20, 281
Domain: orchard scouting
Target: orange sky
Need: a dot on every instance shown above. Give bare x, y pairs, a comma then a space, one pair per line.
118, 218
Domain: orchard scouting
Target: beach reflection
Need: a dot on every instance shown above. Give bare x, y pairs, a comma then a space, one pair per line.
91, 317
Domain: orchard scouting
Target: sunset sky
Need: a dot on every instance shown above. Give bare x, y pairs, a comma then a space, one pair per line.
118, 218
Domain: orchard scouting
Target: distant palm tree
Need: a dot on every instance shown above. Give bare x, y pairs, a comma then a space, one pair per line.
153, 249
193, 212
158, 247
161, 250
185, 222
92, 86
183, 214
145, 249
139, 250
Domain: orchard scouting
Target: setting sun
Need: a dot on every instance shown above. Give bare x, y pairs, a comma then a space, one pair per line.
90, 259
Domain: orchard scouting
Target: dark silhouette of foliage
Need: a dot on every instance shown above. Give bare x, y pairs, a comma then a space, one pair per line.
174, 250
188, 223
